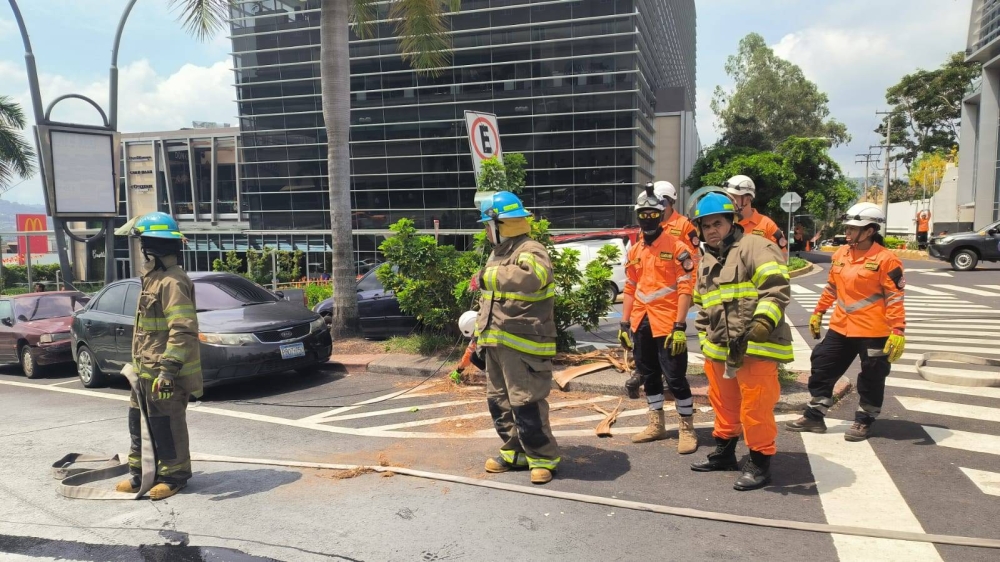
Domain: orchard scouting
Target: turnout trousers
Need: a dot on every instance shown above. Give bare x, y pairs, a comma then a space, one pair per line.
653, 361
169, 432
516, 387
745, 402
831, 359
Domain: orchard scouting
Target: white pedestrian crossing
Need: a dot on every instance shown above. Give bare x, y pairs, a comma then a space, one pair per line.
987, 482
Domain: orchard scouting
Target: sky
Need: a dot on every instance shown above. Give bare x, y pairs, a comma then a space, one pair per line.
852, 49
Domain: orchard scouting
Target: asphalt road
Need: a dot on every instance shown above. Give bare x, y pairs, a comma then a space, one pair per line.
930, 467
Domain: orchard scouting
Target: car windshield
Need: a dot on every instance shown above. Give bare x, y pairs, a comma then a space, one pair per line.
28, 309
224, 293
369, 282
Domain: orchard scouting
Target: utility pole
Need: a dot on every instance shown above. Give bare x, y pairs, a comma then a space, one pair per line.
868, 159
888, 152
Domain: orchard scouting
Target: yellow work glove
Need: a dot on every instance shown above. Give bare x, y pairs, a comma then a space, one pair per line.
677, 342
163, 387
815, 323
625, 335
894, 345
760, 330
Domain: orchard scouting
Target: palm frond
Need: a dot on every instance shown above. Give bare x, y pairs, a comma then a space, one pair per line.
16, 156
202, 18
421, 27
11, 114
363, 15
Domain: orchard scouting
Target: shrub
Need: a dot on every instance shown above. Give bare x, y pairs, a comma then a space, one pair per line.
894, 243
795, 263
318, 292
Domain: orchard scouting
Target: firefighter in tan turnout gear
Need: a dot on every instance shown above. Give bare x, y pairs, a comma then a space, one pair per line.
516, 331
166, 358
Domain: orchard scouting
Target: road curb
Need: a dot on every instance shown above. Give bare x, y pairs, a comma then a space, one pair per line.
794, 397
812, 268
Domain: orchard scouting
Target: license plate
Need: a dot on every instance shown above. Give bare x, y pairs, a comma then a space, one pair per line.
293, 350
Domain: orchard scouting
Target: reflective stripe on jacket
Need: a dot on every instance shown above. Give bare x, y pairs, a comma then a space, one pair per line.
656, 274
866, 292
166, 327
517, 301
753, 282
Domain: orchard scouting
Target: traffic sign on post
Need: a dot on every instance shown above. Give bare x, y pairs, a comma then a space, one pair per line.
791, 202
484, 138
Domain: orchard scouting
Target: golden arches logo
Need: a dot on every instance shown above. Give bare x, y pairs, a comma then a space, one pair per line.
33, 224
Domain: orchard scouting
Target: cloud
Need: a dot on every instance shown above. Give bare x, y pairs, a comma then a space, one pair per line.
147, 100
8, 29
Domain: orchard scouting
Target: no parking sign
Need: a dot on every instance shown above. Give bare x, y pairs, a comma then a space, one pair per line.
484, 138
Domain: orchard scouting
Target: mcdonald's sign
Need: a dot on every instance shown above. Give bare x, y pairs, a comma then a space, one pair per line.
39, 244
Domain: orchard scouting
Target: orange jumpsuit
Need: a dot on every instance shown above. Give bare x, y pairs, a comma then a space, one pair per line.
762, 225
867, 293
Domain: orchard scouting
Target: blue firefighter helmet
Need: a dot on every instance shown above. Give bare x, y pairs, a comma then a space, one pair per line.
157, 225
503, 205
714, 204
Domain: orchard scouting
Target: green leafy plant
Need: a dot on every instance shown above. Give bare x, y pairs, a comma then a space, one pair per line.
795, 263
318, 292
894, 243
506, 175
232, 263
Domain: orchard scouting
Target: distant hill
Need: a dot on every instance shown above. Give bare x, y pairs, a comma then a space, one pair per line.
9, 211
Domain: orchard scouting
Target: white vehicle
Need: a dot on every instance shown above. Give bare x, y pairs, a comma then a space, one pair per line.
588, 252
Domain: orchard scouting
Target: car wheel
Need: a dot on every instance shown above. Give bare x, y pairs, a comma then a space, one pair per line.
87, 369
612, 292
964, 260
28, 365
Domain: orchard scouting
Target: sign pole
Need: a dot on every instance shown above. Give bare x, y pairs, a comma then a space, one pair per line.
27, 260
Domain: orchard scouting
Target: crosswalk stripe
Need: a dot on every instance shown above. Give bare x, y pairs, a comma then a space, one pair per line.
856, 489
925, 291
978, 413
322, 415
800, 290
920, 384
969, 290
418, 423
933, 347
402, 410
916, 334
938, 273
994, 287
987, 482
964, 440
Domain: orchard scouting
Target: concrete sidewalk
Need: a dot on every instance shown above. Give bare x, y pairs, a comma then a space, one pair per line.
794, 396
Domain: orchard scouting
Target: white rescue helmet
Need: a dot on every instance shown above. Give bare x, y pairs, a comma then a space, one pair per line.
467, 323
664, 189
864, 214
648, 199
740, 185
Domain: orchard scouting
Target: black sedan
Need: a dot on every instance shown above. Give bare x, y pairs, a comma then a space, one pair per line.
245, 331
378, 309
964, 250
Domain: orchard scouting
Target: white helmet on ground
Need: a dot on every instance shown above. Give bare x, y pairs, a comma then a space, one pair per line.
467, 323
864, 214
740, 185
664, 189
648, 199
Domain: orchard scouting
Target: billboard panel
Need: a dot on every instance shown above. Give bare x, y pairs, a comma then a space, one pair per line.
39, 244
81, 172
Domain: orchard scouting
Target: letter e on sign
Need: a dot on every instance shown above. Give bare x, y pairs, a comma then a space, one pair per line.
484, 138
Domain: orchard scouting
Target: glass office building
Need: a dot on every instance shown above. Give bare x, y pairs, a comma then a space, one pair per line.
575, 85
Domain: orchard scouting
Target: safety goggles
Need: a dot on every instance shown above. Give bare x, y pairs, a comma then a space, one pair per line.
846, 217
650, 214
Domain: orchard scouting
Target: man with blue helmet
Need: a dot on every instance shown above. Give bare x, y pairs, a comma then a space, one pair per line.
166, 358
742, 289
516, 330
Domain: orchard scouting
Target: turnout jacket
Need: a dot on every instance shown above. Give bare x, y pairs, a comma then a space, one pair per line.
166, 327
751, 279
868, 292
517, 299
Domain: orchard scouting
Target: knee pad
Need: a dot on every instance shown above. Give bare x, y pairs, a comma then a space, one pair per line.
529, 425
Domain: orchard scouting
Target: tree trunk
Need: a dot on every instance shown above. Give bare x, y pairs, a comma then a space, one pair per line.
335, 70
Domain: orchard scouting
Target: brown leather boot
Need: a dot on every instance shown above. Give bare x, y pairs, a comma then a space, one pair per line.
687, 439
128, 486
163, 491
655, 431
541, 476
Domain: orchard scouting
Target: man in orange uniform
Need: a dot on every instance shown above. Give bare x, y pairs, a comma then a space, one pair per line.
674, 223
866, 283
923, 227
656, 302
743, 192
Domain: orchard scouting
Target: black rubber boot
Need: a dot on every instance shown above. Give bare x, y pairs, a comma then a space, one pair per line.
756, 472
633, 384
722, 458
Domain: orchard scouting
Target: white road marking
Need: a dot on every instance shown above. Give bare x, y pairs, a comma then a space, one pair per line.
994, 287
988, 482
402, 410
855, 489
71, 381
433, 421
978, 413
801, 353
920, 384
969, 290
76, 391
925, 291
938, 273
990, 343
820, 286
964, 440
598, 417
323, 415
800, 290
931, 347
625, 430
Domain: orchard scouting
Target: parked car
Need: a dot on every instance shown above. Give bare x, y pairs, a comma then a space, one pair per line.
378, 309
964, 250
35, 329
588, 249
246, 331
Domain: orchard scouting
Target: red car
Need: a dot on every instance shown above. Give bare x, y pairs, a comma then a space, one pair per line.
34, 329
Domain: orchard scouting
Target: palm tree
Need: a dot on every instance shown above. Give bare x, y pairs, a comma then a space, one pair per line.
16, 155
423, 42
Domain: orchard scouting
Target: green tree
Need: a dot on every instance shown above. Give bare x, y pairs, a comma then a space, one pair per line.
771, 100
927, 106
506, 175
232, 263
16, 155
